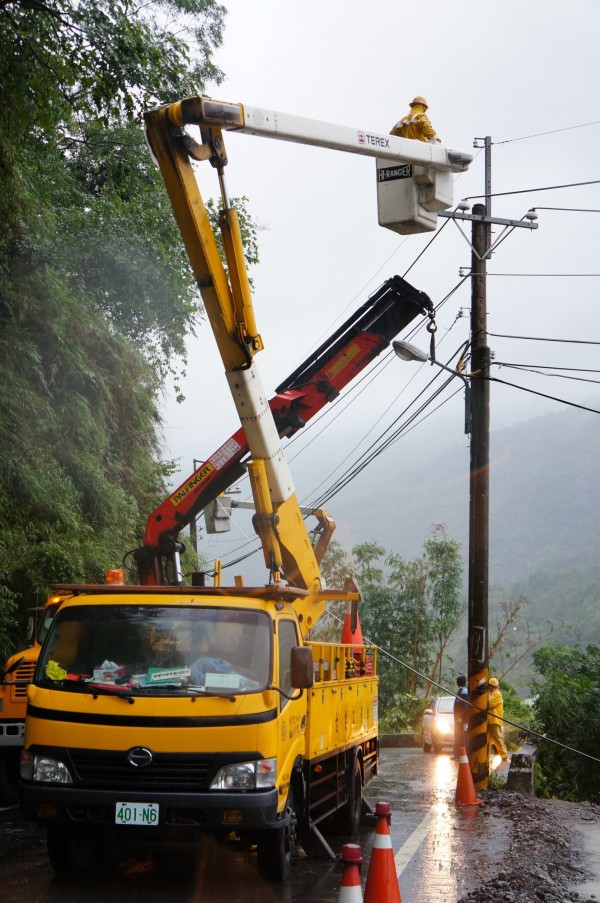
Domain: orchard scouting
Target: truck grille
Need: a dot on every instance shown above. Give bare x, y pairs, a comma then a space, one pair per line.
23, 673
167, 771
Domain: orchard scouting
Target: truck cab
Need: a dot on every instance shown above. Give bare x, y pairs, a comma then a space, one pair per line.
157, 711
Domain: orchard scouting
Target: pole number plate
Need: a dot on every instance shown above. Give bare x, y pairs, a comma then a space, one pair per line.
143, 814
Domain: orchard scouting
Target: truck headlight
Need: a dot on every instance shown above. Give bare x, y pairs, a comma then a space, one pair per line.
259, 775
44, 769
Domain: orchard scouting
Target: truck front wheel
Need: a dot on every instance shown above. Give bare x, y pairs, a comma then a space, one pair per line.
71, 851
9, 774
275, 848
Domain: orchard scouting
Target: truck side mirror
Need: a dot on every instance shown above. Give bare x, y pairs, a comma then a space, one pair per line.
301, 668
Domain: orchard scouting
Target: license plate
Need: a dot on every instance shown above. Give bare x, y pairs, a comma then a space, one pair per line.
143, 814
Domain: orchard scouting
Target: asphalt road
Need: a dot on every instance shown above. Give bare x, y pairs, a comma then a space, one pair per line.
433, 842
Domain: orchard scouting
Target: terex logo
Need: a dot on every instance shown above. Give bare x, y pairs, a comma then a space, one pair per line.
375, 140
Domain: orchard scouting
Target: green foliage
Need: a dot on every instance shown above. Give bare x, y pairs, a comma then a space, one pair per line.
567, 706
496, 781
404, 715
541, 783
96, 296
335, 567
519, 713
411, 614
365, 555
8, 623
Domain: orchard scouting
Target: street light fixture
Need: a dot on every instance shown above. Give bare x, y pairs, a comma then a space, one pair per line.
407, 352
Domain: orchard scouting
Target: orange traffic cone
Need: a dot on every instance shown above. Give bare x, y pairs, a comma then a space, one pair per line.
350, 887
382, 880
350, 635
465, 788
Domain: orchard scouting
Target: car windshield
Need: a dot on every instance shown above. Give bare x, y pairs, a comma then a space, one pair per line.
151, 649
445, 704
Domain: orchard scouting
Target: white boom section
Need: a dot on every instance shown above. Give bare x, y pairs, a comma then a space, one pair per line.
261, 433
297, 129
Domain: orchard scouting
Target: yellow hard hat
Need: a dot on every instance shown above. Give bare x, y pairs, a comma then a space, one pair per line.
493, 682
419, 99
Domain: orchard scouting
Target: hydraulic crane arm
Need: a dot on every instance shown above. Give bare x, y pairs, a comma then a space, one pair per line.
312, 385
284, 127
285, 542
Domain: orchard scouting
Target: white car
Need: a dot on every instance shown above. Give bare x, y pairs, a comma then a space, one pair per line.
438, 724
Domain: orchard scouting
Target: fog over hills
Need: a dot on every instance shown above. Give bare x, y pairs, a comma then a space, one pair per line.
544, 496
544, 512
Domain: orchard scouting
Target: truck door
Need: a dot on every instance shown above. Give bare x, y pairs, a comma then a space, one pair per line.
293, 711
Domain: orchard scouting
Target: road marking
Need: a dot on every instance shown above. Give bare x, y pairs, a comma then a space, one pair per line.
412, 844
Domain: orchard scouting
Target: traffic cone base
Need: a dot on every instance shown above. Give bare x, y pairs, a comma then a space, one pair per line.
382, 880
465, 788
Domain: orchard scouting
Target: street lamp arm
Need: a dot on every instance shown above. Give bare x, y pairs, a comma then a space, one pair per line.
407, 352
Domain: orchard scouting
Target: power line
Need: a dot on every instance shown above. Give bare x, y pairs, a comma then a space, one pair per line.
531, 338
567, 128
472, 705
545, 367
377, 449
547, 275
499, 194
572, 404
569, 209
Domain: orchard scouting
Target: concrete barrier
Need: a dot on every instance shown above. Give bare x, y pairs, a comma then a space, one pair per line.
521, 776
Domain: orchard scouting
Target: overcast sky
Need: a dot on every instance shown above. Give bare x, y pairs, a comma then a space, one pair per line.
524, 72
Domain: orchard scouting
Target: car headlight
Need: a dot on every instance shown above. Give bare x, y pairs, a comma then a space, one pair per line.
44, 769
443, 726
259, 775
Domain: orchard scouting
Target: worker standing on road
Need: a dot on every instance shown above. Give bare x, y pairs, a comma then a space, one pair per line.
461, 715
495, 714
416, 124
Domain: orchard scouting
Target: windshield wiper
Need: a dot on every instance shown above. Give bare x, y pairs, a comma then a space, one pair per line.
88, 686
200, 691
104, 690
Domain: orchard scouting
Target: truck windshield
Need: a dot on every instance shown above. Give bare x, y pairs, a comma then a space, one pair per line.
150, 649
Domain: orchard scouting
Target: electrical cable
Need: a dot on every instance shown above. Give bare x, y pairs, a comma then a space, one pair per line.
384, 363
567, 128
500, 194
472, 705
533, 338
538, 371
375, 450
547, 275
569, 209
571, 404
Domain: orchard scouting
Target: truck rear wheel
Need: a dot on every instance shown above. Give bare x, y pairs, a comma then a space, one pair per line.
72, 851
348, 820
275, 848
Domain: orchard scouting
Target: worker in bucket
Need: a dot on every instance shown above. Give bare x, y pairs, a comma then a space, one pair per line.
495, 724
416, 124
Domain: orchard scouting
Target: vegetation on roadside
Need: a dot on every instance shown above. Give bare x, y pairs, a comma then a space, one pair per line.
409, 609
567, 707
96, 296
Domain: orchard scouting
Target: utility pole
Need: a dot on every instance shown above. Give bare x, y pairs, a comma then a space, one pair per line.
479, 509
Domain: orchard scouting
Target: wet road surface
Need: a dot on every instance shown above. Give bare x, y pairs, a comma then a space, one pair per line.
431, 840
